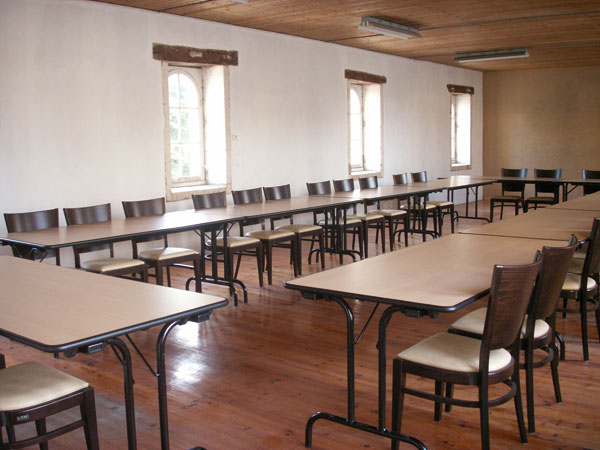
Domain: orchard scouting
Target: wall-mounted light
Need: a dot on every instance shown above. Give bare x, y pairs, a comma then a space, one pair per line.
492, 54
388, 28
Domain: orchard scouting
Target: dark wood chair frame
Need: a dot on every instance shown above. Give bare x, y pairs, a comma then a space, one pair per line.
590, 175
392, 222
157, 206
510, 292
544, 188
247, 196
92, 214
230, 275
416, 207
335, 228
282, 192
588, 300
31, 221
441, 209
517, 187
83, 398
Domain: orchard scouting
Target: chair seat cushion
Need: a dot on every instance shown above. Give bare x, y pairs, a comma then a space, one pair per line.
300, 228
237, 241
505, 198
367, 217
109, 264
540, 200
573, 280
454, 352
349, 221
429, 206
475, 320
31, 383
165, 253
391, 212
441, 204
270, 235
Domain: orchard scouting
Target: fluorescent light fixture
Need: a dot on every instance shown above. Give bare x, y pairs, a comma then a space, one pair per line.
492, 54
388, 28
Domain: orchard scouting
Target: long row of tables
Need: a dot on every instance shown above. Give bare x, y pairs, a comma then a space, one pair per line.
442, 275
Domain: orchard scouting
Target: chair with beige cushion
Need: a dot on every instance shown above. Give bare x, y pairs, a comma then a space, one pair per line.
302, 230
538, 331
582, 284
418, 210
31, 221
590, 175
268, 238
455, 359
443, 206
106, 266
369, 220
393, 217
547, 187
163, 257
513, 192
31, 392
351, 226
236, 245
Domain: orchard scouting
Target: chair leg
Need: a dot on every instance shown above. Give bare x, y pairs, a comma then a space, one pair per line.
529, 387
260, 264
40, 428
365, 238
228, 274
484, 416
565, 303
294, 255
449, 394
382, 225
88, 412
518, 406
298, 255
322, 249
501, 209
452, 219
269, 255
169, 276
561, 341
399, 380
554, 369
159, 274
492, 210
144, 275
439, 389
198, 273
584, 329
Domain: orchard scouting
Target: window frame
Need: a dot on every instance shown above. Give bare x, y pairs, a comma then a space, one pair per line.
457, 91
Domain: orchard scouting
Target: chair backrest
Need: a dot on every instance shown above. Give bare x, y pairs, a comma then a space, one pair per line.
510, 293
343, 185
368, 182
419, 177
591, 264
513, 186
319, 188
141, 208
555, 263
547, 188
84, 215
277, 192
401, 178
30, 221
247, 196
590, 175
207, 201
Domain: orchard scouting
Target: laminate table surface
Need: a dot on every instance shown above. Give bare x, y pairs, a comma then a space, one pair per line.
546, 223
589, 202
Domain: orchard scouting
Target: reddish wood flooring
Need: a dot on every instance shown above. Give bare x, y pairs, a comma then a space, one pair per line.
251, 376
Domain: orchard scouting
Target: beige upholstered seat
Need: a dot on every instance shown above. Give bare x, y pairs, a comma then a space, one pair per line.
573, 281
237, 241
473, 323
299, 228
269, 235
165, 253
112, 264
454, 352
349, 221
388, 212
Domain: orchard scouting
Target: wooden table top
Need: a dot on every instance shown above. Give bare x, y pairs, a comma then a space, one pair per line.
53, 308
586, 203
439, 275
544, 223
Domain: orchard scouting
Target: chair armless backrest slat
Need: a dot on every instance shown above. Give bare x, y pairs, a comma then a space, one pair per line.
401, 178
590, 175
277, 192
245, 197
513, 186
547, 188
85, 215
591, 264
368, 182
207, 201
141, 208
31, 221
343, 185
419, 177
319, 188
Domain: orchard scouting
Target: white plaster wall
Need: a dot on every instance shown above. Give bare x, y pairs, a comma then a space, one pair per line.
81, 106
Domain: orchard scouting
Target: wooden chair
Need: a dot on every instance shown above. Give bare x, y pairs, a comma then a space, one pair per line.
418, 210
236, 245
268, 238
368, 220
351, 226
544, 188
538, 331
582, 285
106, 266
301, 230
160, 258
442, 206
513, 192
590, 175
393, 217
31, 221
31, 392
455, 359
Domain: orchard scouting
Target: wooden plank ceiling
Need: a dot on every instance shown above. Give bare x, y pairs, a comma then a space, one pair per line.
557, 33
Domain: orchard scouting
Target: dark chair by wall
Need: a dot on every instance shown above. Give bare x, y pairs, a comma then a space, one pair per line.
268, 238
31, 392
106, 266
513, 192
590, 175
544, 188
539, 329
160, 258
455, 359
582, 283
302, 231
351, 226
236, 245
442, 206
393, 217
31, 221
369, 220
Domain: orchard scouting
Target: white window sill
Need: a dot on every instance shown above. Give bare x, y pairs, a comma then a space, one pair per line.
456, 167
185, 192
365, 173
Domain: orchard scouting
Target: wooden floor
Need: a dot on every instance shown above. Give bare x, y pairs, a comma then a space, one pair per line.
251, 376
